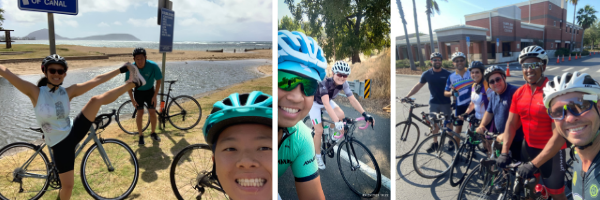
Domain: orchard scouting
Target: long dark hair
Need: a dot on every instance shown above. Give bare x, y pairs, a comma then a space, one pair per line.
43, 82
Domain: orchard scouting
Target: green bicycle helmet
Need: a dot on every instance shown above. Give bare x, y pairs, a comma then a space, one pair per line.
250, 108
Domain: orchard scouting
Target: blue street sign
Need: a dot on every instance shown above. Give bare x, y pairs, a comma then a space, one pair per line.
166, 30
68, 7
468, 40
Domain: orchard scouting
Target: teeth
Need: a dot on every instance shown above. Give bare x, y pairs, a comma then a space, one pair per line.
577, 129
290, 110
253, 182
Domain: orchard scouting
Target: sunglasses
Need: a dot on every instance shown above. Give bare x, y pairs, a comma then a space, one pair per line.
342, 75
288, 82
436, 60
494, 81
576, 106
456, 61
533, 65
54, 71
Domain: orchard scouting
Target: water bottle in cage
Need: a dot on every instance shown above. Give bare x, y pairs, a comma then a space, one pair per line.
162, 106
326, 131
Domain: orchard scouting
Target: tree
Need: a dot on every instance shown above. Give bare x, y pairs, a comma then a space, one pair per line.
287, 23
1, 19
592, 35
410, 57
432, 6
586, 18
421, 63
347, 27
574, 2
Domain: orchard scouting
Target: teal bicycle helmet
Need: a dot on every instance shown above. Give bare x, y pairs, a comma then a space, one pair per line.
250, 108
299, 53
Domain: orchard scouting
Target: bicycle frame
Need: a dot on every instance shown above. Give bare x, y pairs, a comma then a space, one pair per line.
163, 116
91, 136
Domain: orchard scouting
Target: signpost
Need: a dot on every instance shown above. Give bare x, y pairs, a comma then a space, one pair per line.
167, 25
468, 45
68, 7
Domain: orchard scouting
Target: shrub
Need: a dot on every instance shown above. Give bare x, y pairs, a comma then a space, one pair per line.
561, 52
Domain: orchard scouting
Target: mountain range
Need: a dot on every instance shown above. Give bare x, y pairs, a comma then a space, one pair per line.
43, 35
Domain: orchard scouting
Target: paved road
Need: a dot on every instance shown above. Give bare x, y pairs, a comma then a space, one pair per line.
409, 185
332, 182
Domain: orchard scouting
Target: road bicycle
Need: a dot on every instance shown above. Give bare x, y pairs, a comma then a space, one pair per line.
436, 161
359, 169
408, 132
466, 152
193, 176
26, 172
183, 112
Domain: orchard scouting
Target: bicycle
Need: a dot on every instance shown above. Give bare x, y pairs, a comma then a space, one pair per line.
189, 179
27, 173
466, 151
421, 163
178, 110
404, 142
365, 173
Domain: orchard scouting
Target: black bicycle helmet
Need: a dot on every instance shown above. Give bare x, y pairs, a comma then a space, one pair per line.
477, 65
492, 70
54, 59
139, 50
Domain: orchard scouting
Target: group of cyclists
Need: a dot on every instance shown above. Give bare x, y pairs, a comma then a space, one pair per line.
534, 121
304, 89
238, 128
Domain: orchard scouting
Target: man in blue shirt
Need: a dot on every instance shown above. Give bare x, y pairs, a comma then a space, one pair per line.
436, 77
499, 106
146, 93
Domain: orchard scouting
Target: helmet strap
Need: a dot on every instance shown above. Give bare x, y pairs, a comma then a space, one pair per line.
54, 87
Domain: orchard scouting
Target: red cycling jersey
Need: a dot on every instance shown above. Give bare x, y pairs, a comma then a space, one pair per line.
537, 125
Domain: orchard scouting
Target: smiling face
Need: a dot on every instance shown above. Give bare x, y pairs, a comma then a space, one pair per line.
498, 86
339, 80
243, 156
293, 106
459, 63
579, 130
55, 78
532, 75
476, 75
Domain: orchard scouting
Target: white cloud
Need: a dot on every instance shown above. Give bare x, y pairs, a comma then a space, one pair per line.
190, 22
103, 24
150, 22
117, 23
153, 4
71, 23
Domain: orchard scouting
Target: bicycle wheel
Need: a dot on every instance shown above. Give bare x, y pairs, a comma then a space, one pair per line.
104, 183
436, 163
126, 120
461, 164
192, 174
14, 185
359, 169
479, 185
407, 138
184, 112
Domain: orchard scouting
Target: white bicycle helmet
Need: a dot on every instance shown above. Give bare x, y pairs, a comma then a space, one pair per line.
435, 54
458, 54
534, 52
570, 82
341, 67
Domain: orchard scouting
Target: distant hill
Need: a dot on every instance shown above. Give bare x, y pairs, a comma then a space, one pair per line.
43, 35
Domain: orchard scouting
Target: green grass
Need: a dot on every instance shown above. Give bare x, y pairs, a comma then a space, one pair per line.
41, 51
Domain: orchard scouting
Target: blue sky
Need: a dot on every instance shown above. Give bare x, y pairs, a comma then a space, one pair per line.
195, 20
453, 12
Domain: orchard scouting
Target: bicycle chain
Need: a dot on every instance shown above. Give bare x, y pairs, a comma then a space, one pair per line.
54, 178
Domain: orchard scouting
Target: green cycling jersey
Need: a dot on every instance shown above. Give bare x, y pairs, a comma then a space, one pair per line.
297, 150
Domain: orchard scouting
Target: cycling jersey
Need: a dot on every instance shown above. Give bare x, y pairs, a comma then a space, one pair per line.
436, 82
480, 101
585, 184
297, 150
462, 84
328, 87
529, 107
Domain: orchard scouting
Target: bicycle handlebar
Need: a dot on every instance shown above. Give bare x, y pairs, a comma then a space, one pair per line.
100, 118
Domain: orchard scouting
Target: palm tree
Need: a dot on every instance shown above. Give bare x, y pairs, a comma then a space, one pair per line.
432, 6
1, 18
410, 57
421, 63
586, 18
574, 2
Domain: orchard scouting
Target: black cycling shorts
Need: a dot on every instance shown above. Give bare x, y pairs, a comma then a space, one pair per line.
553, 171
144, 96
64, 151
459, 111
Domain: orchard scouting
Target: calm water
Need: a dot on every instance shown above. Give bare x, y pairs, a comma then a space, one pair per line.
201, 46
194, 77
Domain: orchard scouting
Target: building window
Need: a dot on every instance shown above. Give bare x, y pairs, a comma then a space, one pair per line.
551, 45
549, 6
554, 23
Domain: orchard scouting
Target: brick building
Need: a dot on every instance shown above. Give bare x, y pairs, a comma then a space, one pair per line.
498, 35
